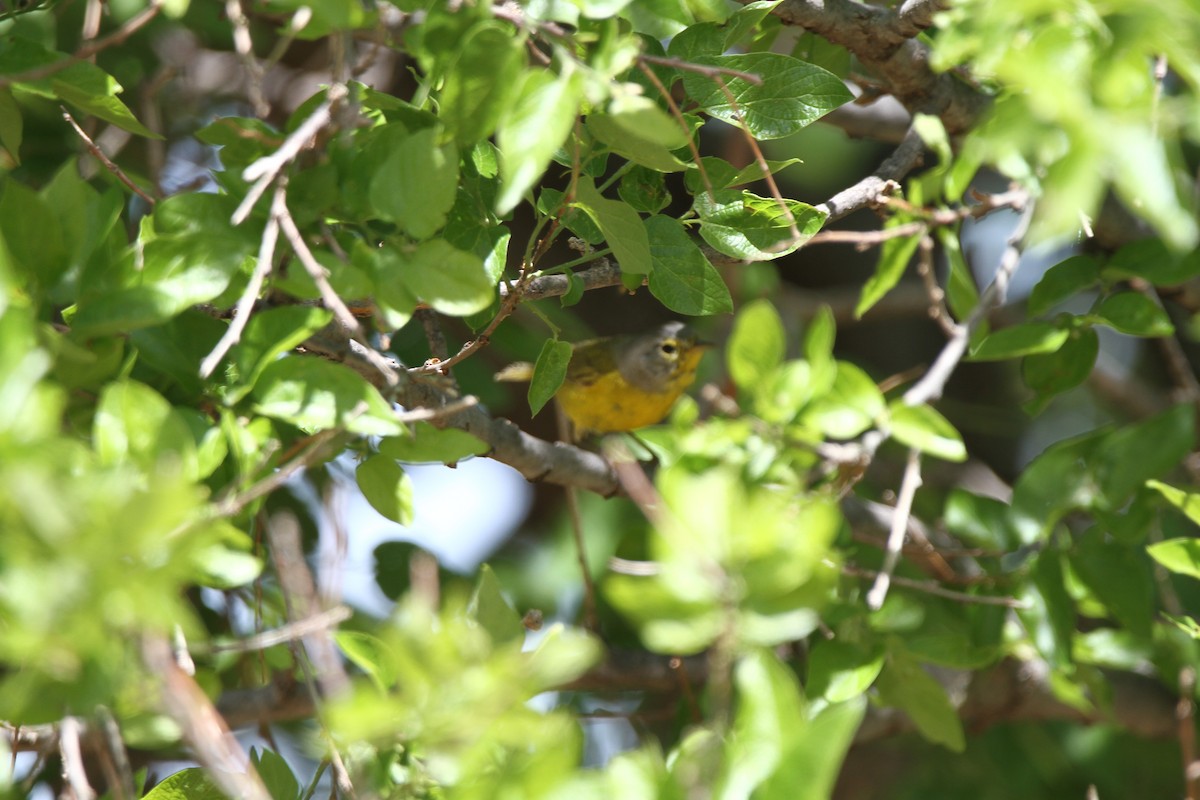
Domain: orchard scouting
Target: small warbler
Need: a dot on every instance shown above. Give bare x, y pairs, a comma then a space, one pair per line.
620, 383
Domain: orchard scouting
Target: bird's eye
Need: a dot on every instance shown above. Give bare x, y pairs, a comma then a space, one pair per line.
668, 348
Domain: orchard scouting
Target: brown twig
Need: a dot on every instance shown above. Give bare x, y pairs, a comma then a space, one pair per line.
678, 115
244, 46
937, 296
707, 70
74, 774
95, 150
864, 239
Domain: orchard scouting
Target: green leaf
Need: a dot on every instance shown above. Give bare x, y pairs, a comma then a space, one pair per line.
134, 423
851, 406
94, 91
1149, 259
188, 784
756, 346
548, 373
818, 349
428, 444
791, 96
1049, 374
1129, 457
1187, 502
893, 261
961, 293
33, 236
840, 670
316, 395
1135, 314
481, 83
493, 612
923, 428
621, 226
415, 187
630, 146
641, 117
10, 125
275, 773
1056, 481
450, 280
268, 334
387, 488
644, 189
903, 684
1181, 556
814, 754
1062, 281
682, 278
769, 705
536, 125
1120, 577
979, 521
746, 226
1028, 338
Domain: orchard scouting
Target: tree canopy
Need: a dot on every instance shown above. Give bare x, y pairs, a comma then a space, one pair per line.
924, 526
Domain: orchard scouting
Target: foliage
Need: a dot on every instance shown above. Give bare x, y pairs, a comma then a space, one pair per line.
172, 362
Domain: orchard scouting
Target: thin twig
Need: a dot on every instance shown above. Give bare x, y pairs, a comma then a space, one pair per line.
931, 386
72, 759
930, 587
131, 26
244, 46
245, 304
591, 619
318, 273
678, 115
234, 503
707, 70
864, 239
937, 295
895, 540
95, 150
264, 170
760, 159
285, 633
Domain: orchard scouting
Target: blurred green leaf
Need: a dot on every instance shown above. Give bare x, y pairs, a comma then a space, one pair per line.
841, 671
1028, 338
1186, 502
415, 186
187, 784
1136, 453
852, 405
480, 85
980, 521
11, 125
682, 278
269, 334
635, 148
644, 190
1049, 374
316, 395
905, 685
276, 775
450, 280
1120, 577
387, 488
757, 344
893, 261
534, 127
1062, 281
923, 428
1135, 314
1181, 556
492, 611
428, 444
